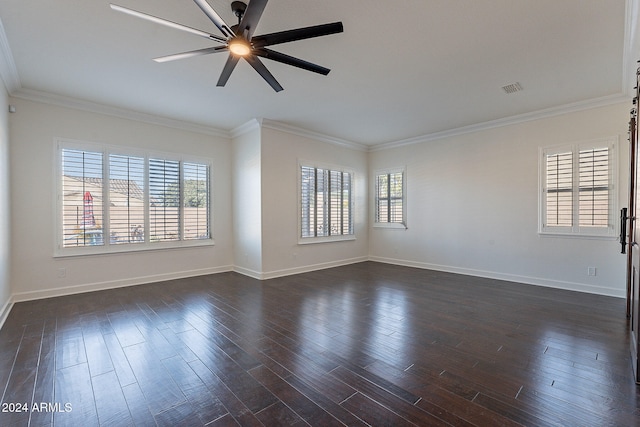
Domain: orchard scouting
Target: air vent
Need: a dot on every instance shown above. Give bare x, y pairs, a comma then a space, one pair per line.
512, 88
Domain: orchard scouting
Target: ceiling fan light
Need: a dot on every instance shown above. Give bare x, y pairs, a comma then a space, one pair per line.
240, 47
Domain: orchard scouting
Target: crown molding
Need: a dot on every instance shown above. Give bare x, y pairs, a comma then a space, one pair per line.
251, 125
282, 127
8, 70
78, 104
508, 121
261, 123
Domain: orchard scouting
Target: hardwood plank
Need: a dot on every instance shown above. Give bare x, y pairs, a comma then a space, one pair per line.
294, 399
252, 393
180, 415
119, 360
74, 400
206, 407
278, 414
125, 329
373, 413
154, 337
70, 349
96, 349
159, 389
419, 415
111, 405
20, 385
321, 399
470, 412
515, 411
45, 376
237, 409
224, 421
137, 404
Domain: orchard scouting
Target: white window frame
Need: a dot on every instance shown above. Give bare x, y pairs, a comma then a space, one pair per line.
575, 230
108, 247
331, 238
386, 224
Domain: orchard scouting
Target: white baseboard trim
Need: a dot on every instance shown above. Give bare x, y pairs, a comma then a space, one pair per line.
247, 272
4, 312
313, 267
527, 280
265, 275
100, 286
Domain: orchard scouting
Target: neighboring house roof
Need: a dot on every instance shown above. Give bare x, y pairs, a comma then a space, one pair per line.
121, 186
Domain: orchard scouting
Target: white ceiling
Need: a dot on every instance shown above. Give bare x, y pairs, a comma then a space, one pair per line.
400, 70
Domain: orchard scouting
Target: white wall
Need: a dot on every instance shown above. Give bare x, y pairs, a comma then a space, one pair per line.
281, 153
472, 204
247, 201
34, 270
5, 235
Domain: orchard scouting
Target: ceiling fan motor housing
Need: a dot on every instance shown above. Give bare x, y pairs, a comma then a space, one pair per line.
238, 8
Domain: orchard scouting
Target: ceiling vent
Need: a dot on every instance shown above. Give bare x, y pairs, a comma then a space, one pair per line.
512, 88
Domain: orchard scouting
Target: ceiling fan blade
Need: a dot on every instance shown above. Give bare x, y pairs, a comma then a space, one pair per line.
262, 70
215, 18
251, 17
297, 34
231, 63
290, 60
191, 54
165, 22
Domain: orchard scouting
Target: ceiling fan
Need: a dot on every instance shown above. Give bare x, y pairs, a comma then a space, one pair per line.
240, 42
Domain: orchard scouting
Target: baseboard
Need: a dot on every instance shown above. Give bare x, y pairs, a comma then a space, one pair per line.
527, 280
100, 286
248, 272
313, 267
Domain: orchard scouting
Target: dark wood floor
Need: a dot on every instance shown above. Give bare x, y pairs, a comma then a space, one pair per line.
366, 344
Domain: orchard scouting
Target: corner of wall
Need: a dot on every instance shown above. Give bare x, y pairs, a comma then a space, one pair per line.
5, 212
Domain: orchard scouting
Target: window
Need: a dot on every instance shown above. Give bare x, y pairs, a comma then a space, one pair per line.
326, 204
390, 199
111, 200
578, 189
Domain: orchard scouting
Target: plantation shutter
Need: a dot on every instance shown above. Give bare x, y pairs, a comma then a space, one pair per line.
594, 188
164, 200
382, 198
335, 203
347, 215
325, 202
308, 201
559, 189
195, 201
390, 198
82, 198
322, 208
396, 196
126, 199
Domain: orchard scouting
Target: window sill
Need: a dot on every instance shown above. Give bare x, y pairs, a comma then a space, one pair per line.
391, 225
130, 248
549, 234
329, 239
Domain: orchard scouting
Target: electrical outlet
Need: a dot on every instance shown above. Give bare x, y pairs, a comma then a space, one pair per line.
591, 271
62, 273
